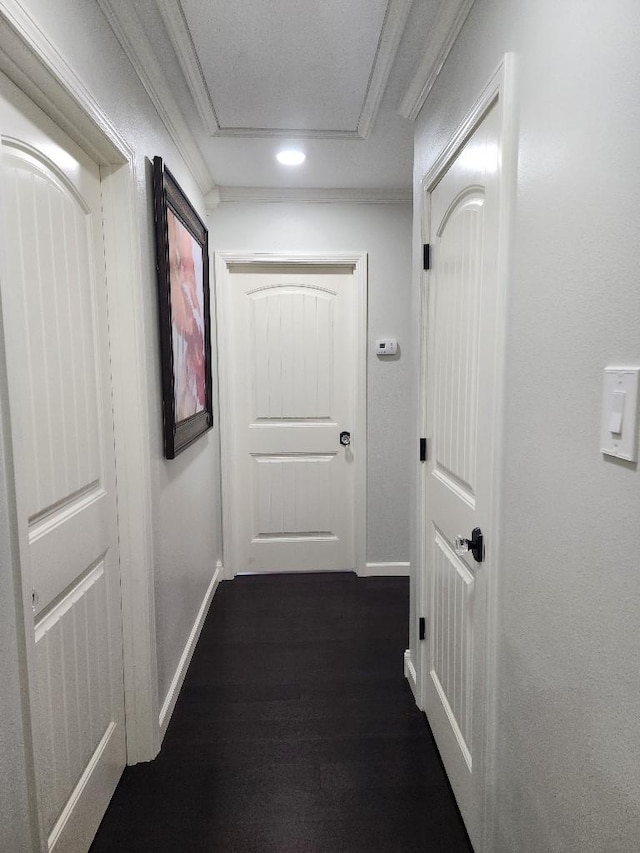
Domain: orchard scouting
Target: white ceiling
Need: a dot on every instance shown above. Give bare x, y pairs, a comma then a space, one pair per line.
250, 77
271, 65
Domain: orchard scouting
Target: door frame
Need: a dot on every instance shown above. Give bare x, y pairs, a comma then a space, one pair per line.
500, 88
356, 260
36, 66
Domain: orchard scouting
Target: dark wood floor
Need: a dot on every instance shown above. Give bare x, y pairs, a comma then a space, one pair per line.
295, 732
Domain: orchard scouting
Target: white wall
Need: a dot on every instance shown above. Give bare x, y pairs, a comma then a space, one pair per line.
185, 494
569, 646
384, 232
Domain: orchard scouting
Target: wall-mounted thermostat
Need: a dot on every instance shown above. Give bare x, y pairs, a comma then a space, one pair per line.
386, 346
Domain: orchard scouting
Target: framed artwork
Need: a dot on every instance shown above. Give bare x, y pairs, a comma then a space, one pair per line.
182, 265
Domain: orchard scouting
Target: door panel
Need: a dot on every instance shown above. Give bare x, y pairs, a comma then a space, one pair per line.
74, 702
293, 331
456, 319
461, 383
55, 318
61, 436
294, 496
452, 652
292, 365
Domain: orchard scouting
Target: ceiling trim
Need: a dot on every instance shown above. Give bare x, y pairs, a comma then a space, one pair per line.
451, 17
287, 133
129, 31
313, 195
392, 29
180, 36
30, 59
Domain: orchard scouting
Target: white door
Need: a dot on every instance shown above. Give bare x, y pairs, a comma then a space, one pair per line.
52, 283
461, 392
290, 370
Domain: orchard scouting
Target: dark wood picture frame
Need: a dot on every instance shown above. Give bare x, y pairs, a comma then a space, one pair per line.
185, 331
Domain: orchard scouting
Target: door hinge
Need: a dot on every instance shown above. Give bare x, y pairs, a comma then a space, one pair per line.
426, 256
422, 628
423, 449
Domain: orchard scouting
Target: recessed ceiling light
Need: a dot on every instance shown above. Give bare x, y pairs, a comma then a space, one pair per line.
290, 157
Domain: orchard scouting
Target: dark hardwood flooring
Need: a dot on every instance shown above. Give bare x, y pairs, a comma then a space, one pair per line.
295, 732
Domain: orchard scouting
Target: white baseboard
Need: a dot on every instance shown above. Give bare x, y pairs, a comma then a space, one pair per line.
383, 570
176, 682
410, 673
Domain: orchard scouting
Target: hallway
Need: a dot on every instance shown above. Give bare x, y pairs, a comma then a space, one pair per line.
295, 732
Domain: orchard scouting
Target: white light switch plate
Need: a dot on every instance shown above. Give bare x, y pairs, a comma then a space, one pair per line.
620, 412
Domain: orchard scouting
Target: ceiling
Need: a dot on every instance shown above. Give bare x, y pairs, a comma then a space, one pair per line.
267, 67
242, 79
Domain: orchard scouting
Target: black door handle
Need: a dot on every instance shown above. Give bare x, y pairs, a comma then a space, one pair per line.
345, 438
475, 545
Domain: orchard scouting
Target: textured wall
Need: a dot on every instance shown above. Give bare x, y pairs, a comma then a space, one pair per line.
569, 591
384, 231
186, 506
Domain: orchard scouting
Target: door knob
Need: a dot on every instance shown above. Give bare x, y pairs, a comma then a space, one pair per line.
475, 545
345, 438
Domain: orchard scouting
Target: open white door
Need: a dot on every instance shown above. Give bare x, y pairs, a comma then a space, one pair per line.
464, 199
291, 361
54, 309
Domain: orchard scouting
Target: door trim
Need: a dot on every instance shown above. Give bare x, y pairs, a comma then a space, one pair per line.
501, 87
357, 260
38, 68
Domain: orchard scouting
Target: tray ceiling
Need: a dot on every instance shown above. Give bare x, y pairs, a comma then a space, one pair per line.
234, 81
292, 67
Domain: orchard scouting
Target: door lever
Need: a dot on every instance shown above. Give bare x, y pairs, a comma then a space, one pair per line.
345, 438
475, 545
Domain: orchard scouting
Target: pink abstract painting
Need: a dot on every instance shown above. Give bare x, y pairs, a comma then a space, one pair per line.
187, 320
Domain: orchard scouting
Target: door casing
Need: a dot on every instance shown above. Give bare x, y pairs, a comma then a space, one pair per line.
358, 260
501, 86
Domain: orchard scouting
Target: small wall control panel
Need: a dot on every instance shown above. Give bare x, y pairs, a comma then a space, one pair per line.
386, 346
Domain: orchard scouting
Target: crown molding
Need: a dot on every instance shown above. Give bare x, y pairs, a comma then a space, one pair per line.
212, 200
36, 65
287, 133
451, 17
392, 29
313, 195
180, 36
129, 31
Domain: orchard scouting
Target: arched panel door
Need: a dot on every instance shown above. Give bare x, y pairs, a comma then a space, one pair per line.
292, 362
56, 336
462, 379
